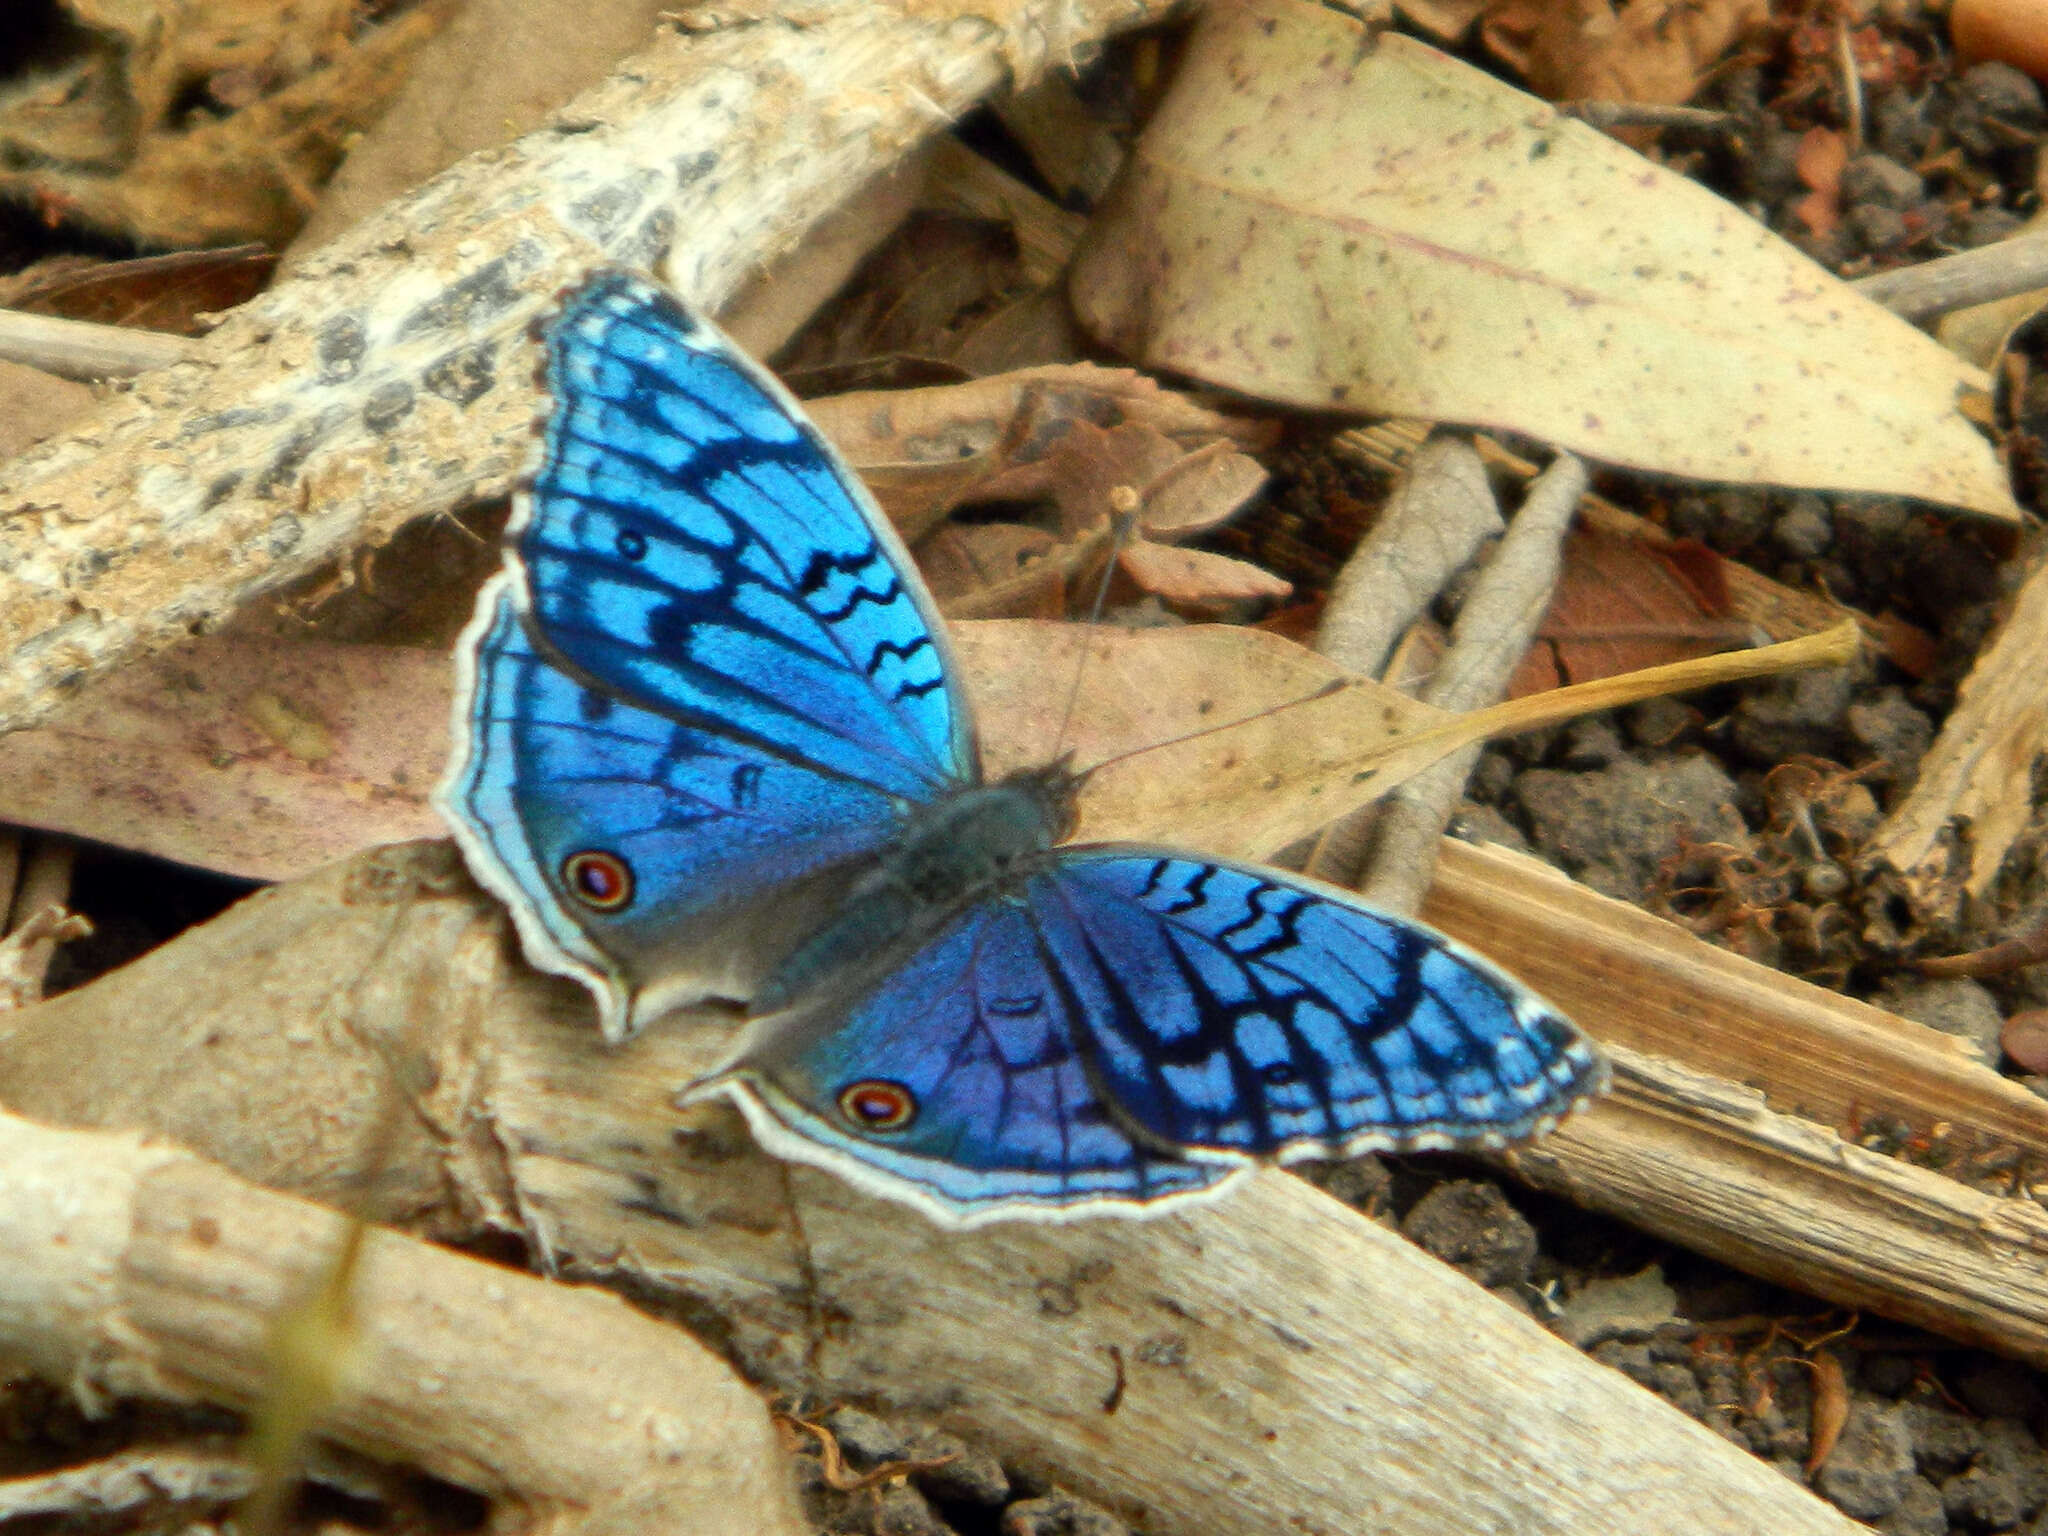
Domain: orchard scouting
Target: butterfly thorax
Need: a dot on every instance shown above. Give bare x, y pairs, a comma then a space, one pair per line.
954, 851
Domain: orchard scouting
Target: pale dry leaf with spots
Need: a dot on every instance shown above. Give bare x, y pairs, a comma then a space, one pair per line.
1337, 220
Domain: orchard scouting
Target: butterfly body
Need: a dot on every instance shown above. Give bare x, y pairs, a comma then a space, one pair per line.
963, 848
711, 743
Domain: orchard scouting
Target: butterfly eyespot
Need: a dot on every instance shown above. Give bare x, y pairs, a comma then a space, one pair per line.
874, 1104
602, 881
631, 544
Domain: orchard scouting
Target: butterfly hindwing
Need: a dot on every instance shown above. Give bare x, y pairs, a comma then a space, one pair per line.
688, 542
715, 841
1129, 1025
1000, 1112
1245, 1010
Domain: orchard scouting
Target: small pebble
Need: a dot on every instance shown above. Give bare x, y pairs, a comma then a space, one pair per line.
2024, 1039
1878, 229
1866, 1475
1059, 1513
1469, 1224
1804, 530
1880, 181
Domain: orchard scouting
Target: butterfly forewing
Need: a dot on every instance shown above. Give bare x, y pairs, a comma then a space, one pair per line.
689, 543
698, 703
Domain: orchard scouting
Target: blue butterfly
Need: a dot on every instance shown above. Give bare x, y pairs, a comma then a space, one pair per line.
711, 743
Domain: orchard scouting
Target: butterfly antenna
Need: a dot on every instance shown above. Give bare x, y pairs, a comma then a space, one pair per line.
1124, 502
1334, 686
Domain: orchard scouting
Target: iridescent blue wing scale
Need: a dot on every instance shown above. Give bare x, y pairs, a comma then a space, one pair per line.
1130, 1025
704, 693
1007, 1117
1242, 1010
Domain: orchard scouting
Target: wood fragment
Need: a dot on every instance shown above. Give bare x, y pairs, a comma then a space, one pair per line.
86, 350
1979, 772
128, 1268
2018, 264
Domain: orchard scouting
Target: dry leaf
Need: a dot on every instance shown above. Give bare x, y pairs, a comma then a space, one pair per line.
119, 149
1651, 50
1332, 219
268, 760
257, 758
964, 559
1623, 604
35, 404
158, 293
495, 72
925, 451
1137, 475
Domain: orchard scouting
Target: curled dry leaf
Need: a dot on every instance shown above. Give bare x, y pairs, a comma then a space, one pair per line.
1830, 1410
1330, 218
1823, 155
1622, 604
173, 292
1099, 478
926, 451
1649, 50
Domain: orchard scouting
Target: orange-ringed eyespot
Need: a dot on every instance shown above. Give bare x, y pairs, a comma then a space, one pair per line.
601, 881
875, 1104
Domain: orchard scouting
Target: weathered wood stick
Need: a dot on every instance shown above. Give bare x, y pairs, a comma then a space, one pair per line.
389, 376
127, 1268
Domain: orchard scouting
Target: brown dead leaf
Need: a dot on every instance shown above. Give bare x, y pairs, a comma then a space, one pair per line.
1136, 476
495, 72
925, 451
1650, 50
1623, 604
287, 84
34, 404
256, 758
961, 560
1198, 578
1822, 156
158, 293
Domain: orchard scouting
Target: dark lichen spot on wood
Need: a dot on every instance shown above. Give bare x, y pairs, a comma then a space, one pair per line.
222, 488
89, 563
340, 348
605, 212
490, 290
283, 534
227, 421
691, 169
648, 244
388, 405
463, 376
284, 468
